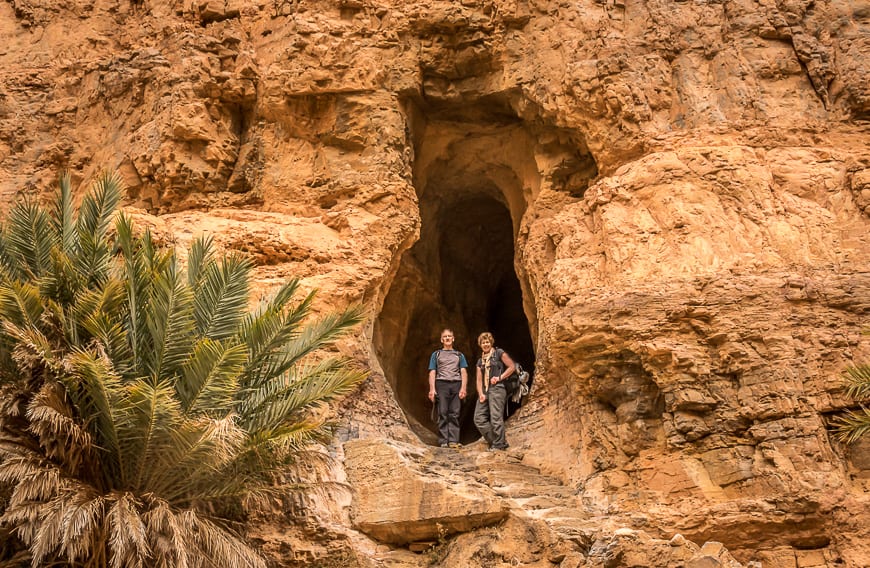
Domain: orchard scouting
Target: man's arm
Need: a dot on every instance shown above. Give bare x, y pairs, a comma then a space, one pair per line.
432, 384
463, 389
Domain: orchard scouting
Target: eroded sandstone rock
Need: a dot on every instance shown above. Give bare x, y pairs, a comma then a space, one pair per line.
684, 195
397, 502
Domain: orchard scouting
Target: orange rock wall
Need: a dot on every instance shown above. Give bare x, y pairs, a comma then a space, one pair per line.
689, 184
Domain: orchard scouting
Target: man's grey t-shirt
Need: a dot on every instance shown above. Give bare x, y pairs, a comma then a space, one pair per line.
446, 363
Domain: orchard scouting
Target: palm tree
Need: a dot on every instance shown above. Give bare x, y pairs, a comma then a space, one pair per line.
137, 398
853, 424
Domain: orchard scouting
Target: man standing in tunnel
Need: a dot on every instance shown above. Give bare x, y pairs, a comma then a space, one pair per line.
448, 380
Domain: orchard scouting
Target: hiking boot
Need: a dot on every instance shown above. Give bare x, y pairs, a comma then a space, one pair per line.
498, 448
454, 445
444, 445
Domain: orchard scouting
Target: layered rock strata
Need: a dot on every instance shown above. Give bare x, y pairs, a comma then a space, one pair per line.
670, 199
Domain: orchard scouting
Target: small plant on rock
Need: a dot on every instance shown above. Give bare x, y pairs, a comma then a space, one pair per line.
854, 424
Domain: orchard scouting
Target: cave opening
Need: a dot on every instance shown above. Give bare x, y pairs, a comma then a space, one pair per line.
477, 166
460, 274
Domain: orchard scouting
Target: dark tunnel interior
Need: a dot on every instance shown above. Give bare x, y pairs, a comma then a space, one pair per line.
460, 274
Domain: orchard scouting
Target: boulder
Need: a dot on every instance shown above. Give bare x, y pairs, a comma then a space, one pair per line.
400, 495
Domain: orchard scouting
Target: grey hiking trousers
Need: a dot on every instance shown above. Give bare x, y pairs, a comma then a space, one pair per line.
449, 406
489, 416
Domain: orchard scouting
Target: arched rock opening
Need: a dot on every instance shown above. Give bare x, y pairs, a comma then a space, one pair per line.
460, 274
474, 179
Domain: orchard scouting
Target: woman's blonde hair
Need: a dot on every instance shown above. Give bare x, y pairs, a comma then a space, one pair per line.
485, 335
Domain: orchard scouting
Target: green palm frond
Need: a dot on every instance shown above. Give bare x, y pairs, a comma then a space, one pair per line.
222, 296
153, 290
110, 336
95, 215
108, 299
8, 264
98, 315
155, 414
102, 402
21, 303
313, 337
287, 398
260, 461
281, 298
62, 283
157, 260
98, 206
275, 320
169, 322
858, 381
262, 334
209, 380
202, 448
93, 259
267, 453
200, 255
29, 238
268, 333
63, 215
237, 484
852, 425
135, 275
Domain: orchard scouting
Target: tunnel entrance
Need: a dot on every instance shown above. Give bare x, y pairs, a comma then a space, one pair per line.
460, 274
477, 164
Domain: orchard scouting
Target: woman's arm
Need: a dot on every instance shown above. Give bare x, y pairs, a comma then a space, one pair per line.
509, 366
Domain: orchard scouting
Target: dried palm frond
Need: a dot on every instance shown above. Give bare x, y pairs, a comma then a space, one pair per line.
128, 541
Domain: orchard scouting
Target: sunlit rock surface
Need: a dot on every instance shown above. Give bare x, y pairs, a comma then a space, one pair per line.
661, 206
403, 495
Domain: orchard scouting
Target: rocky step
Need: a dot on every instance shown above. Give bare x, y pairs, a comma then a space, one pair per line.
527, 487
522, 483
503, 471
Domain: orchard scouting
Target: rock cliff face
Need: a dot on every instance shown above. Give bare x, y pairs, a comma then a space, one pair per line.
661, 206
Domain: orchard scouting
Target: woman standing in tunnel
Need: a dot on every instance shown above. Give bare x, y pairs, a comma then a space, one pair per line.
493, 367
448, 380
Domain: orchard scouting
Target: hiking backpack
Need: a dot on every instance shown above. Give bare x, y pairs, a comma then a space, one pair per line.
517, 385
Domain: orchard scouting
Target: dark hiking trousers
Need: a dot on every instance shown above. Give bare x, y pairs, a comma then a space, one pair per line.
449, 406
489, 416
